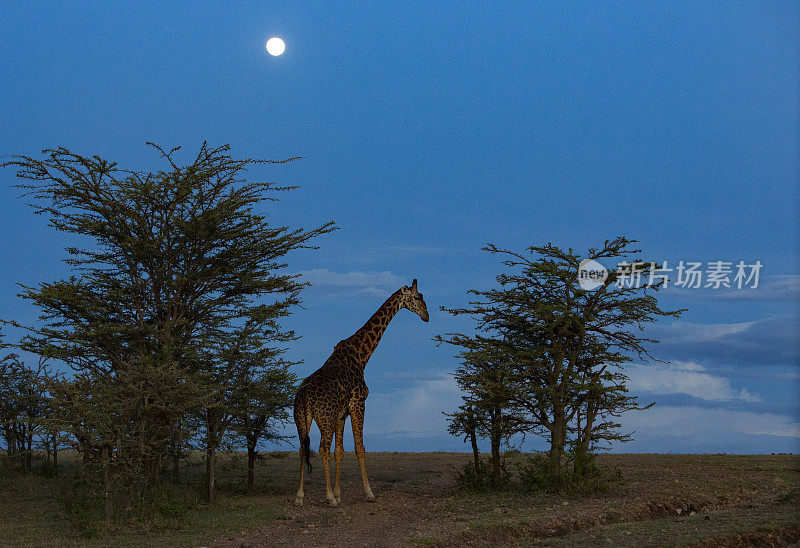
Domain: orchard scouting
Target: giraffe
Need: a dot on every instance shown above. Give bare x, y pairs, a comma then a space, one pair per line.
337, 389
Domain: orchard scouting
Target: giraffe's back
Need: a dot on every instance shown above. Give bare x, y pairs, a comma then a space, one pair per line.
330, 388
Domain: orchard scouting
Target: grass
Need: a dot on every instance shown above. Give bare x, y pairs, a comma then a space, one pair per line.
721, 498
38, 510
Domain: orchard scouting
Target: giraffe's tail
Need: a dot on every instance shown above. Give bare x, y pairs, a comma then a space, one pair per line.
301, 420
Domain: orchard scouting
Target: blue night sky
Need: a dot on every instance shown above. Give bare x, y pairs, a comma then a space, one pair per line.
430, 129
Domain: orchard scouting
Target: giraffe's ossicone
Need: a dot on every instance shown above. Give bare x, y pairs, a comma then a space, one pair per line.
337, 390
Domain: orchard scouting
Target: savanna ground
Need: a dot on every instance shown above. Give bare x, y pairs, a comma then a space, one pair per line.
652, 500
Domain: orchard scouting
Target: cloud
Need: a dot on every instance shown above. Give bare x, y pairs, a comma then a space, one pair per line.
392, 252
415, 411
709, 423
686, 366
410, 419
684, 378
369, 279
371, 292
783, 288
765, 342
779, 288
693, 333
415, 249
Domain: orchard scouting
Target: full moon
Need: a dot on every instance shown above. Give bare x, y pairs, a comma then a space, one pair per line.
275, 46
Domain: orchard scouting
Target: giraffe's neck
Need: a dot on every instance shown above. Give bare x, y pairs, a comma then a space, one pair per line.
367, 338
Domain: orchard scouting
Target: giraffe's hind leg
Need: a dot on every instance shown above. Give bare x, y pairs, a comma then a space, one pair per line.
303, 420
339, 455
357, 421
298, 499
326, 430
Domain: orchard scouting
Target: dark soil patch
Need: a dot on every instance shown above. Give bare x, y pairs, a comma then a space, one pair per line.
663, 499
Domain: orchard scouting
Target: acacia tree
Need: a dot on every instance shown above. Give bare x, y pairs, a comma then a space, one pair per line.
8, 399
485, 378
25, 408
465, 422
271, 393
567, 343
601, 397
172, 256
246, 382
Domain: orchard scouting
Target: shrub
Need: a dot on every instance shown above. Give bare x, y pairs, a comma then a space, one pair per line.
82, 505
479, 479
537, 474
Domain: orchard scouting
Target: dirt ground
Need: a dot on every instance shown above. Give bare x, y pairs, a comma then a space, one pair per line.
658, 500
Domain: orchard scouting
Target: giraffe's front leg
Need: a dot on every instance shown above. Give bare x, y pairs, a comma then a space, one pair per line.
325, 455
339, 454
357, 420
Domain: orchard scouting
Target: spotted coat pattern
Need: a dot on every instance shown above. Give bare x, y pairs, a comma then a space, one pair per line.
338, 390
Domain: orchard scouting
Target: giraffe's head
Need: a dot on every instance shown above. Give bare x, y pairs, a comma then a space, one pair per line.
412, 300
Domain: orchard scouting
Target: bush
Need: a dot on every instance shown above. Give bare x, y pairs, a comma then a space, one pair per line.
82, 505
161, 500
479, 479
538, 475
535, 474
82, 502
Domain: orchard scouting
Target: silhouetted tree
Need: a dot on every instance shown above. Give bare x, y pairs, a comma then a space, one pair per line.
247, 383
177, 260
565, 344
485, 377
465, 422
8, 398
25, 408
266, 409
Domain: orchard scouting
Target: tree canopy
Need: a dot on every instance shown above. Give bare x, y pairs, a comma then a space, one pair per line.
177, 291
558, 347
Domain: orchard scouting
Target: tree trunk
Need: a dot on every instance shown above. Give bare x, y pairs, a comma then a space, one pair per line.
29, 453
19, 446
251, 462
473, 439
495, 439
47, 455
108, 505
585, 442
55, 454
211, 446
210, 473
558, 438
176, 471
176, 455
495, 462
8, 434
